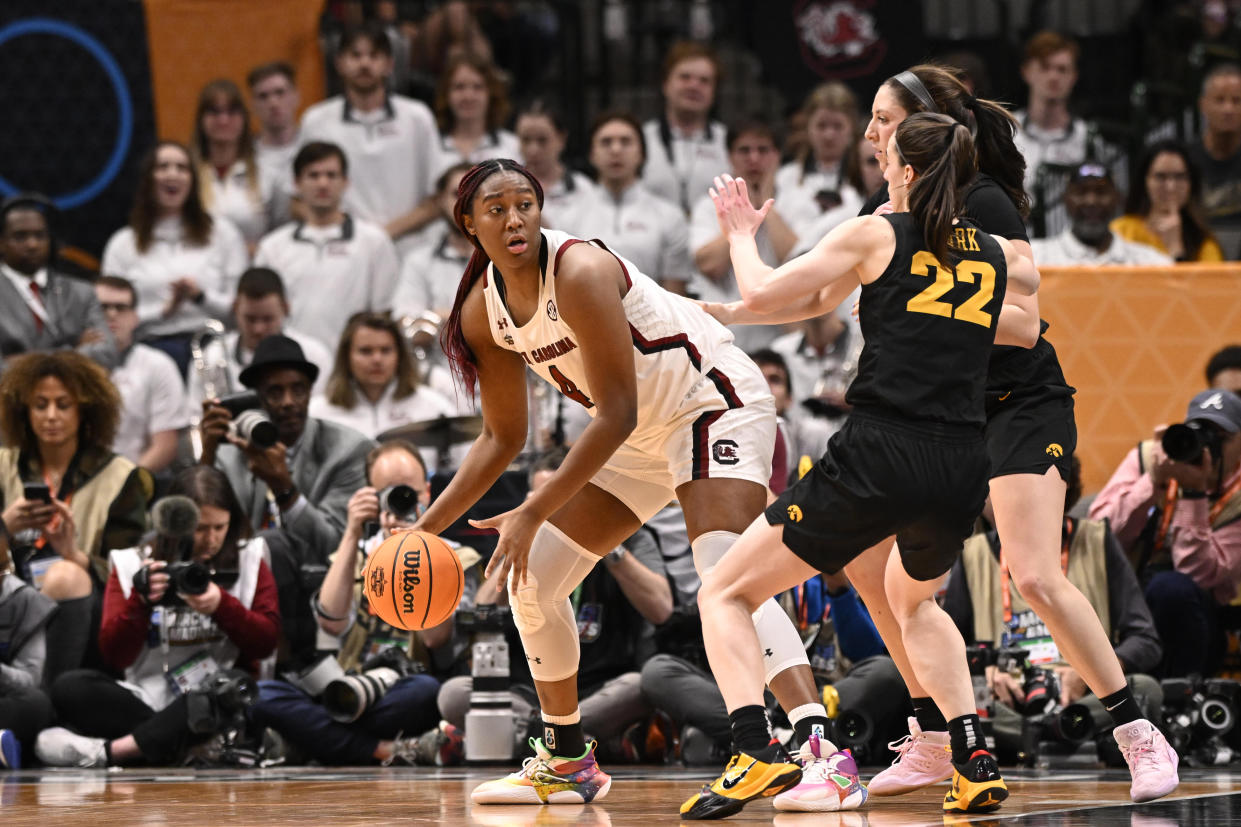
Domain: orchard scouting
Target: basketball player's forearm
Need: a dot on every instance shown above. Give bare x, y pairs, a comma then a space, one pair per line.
749, 269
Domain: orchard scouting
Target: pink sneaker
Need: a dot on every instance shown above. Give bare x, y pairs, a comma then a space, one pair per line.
828, 784
923, 758
1152, 761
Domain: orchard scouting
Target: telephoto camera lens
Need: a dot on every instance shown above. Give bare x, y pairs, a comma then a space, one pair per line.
346, 699
401, 501
254, 427
189, 578
1184, 441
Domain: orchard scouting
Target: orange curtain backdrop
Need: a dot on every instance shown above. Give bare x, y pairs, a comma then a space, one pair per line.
1135, 341
192, 42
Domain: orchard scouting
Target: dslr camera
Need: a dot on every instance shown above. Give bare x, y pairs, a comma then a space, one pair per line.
1184, 441
250, 421
185, 576
401, 501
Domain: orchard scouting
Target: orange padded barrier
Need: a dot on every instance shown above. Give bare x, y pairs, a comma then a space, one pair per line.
193, 42
1134, 341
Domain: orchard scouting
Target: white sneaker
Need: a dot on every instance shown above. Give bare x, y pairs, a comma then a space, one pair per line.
923, 758
58, 747
1151, 759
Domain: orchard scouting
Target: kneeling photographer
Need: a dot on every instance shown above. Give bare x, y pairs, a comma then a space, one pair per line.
1036, 698
357, 705
1174, 504
186, 618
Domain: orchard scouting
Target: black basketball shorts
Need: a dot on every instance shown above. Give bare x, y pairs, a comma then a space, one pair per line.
1031, 429
882, 477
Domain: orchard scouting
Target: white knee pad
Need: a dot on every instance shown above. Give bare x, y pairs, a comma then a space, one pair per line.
782, 646
541, 608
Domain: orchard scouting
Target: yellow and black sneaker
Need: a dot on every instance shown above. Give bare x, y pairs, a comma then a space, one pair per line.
768, 772
976, 785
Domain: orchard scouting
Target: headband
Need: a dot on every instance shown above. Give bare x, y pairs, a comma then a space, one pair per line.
910, 81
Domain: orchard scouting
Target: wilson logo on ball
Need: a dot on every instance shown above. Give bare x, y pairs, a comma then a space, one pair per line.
410, 561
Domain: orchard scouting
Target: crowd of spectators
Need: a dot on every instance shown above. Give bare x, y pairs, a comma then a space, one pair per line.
286, 266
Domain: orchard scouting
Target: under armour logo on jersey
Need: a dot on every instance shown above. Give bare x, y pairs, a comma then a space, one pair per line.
1215, 401
795, 513
551, 310
534, 660
1054, 450
503, 323
767, 653
724, 451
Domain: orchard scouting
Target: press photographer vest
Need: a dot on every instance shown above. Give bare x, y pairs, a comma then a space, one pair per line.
90, 502
1143, 555
189, 632
1087, 571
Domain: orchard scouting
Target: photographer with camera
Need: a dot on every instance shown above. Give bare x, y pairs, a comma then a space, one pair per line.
187, 617
1174, 505
293, 473
340, 719
1028, 674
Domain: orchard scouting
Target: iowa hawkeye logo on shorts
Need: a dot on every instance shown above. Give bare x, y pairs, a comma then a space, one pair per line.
795, 513
1054, 450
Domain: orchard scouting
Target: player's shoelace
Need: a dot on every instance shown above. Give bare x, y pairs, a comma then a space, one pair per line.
907, 753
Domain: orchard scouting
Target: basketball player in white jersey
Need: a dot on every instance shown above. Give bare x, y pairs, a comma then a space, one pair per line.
678, 411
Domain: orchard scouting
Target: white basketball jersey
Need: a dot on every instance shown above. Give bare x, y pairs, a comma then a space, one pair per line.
675, 343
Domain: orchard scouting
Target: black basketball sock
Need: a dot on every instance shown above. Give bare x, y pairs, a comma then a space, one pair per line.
1122, 706
930, 719
562, 737
751, 729
965, 734
808, 725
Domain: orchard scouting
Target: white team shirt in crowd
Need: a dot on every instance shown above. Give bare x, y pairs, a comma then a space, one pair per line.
430, 274
216, 267
330, 273
392, 153
498, 143
1065, 249
250, 209
564, 200
373, 418
675, 344
227, 350
648, 230
798, 188
681, 169
152, 399
703, 228
276, 162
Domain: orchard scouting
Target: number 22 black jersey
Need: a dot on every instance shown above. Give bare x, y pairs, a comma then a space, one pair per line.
929, 329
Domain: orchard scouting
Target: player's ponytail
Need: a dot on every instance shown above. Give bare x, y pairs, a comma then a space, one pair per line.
991, 125
942, 154
452, 338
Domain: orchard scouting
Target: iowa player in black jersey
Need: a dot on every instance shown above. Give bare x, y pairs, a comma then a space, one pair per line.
910, 462
1031, 437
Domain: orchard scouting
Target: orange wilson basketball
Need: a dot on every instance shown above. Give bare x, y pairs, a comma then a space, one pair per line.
413, 581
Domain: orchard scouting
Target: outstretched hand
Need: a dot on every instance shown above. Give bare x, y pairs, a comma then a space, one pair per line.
517, 529
733, 208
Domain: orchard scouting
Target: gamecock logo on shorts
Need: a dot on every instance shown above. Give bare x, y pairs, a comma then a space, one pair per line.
1054, 450
724, 451
377, 582
795, 513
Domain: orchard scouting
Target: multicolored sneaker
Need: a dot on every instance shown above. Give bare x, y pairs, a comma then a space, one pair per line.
828, 784
976, 786
768, 772
1151, 759
548, 779
923, 758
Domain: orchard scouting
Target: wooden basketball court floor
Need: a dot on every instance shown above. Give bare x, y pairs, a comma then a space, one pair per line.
647, 796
